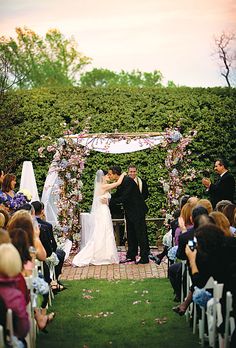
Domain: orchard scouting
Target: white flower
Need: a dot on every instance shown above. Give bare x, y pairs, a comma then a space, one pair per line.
26, 193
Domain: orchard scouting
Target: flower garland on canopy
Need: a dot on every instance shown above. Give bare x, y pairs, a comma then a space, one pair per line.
178, 174
69, 160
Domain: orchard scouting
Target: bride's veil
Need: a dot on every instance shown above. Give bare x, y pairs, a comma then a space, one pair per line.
97, 190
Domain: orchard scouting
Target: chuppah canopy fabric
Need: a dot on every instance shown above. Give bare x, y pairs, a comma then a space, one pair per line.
118, 142
115, 143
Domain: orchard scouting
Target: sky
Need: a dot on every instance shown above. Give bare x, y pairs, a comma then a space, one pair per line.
173, 36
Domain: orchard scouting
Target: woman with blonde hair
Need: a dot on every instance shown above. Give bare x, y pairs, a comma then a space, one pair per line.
23, 219
222, 222
206, 204
10, 295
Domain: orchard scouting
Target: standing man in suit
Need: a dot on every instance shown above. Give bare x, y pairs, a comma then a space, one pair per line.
135, 209
224, 188
142, 185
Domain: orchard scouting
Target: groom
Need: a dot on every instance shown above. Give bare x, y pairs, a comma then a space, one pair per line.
135, 209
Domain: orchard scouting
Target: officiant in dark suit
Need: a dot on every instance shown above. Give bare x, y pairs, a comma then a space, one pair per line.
135, 209
224, 188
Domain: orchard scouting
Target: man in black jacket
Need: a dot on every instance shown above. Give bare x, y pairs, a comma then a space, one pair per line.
135, 209
224, 188
47, 228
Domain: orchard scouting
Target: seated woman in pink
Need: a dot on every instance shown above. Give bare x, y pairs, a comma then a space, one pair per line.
10, 295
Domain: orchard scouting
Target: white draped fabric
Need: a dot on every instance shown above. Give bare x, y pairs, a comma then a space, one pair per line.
50, 196
28, 181
115, 145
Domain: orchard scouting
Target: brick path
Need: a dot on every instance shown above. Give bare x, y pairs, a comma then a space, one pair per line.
116, 271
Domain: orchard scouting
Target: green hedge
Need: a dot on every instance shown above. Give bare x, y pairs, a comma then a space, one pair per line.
26, 115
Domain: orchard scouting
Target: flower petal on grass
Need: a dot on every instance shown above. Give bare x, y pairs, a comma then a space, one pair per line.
161, 321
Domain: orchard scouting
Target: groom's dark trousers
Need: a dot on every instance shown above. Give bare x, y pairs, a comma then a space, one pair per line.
135, 209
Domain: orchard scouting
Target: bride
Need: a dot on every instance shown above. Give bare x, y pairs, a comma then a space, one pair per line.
101, 247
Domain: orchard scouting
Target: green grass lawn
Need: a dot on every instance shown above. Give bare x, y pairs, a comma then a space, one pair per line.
122, 314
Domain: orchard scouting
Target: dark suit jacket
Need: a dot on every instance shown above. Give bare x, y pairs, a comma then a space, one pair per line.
47, 228
183, 241
224, 188
129, 195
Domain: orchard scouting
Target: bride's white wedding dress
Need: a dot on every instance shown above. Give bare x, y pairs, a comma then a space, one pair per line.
101, 247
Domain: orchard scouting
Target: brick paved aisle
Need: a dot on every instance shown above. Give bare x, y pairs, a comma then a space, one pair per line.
114, 271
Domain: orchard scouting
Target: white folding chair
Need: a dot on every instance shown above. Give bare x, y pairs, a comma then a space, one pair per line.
9, 327
201, 323
229, 320
31, 337
214, 314
188, 285
2, 344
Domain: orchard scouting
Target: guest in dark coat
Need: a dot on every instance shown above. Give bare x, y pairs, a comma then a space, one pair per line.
47, 230
224, 188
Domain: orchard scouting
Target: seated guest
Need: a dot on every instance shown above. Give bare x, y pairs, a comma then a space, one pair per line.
7, 191
222, 222
11, 296
175, 270
20, 240
185, 222
206, 204
2, 220
6, 216
4, 236
221, 205
169, 238
23, 219
48, 230
229, 211
205, 263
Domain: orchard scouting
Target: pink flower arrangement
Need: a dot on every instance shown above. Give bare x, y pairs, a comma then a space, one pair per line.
178, 171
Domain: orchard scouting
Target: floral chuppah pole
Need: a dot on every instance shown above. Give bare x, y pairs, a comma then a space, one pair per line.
178, 174
68, 162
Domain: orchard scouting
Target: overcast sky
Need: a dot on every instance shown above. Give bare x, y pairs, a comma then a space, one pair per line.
173, 36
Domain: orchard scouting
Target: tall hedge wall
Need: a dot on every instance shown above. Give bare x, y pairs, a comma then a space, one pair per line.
26, 115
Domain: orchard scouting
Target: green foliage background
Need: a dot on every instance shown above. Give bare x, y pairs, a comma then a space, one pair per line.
26, 115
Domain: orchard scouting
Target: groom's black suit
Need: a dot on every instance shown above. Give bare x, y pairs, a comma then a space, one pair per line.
135, 209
